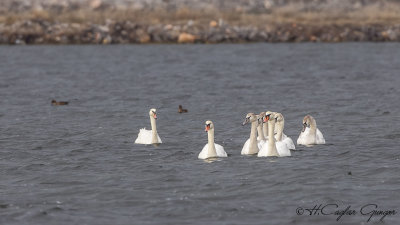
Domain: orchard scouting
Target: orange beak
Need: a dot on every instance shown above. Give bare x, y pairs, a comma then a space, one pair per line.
207, 128
266, 118
155, 116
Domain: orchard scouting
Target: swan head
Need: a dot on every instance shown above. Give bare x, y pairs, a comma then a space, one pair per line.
259, 119
153, 113
275, 116
209, 125
262, 115
279, 117
250, 117
268, 115
307, 120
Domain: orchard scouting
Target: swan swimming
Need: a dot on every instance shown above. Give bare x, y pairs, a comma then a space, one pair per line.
211, 150
149, 136
310, 134
251, 146
272, 147
280, 136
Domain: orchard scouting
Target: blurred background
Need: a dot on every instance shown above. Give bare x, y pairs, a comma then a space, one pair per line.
193, 21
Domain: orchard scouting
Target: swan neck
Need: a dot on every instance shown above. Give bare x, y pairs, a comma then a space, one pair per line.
265, 129
253, 148
154, 135
260, 132
313, 126
279, 131
210, 134
271, 139
212, 152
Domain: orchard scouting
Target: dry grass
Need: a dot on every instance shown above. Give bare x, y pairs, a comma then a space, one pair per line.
372, 14
290, 14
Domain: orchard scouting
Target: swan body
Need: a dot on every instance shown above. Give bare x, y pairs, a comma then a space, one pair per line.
310, 134
273, 147
211, 149
220, 151
145, 137
283, 149
149, 136
307, 138
251, 146
245, 149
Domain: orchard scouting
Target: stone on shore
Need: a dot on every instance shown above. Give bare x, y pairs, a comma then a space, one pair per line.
186, 38
213, 23
41, 31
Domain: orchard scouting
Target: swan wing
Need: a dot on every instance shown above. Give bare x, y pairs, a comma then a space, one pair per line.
320, 138
220, 151
289, 143
304, 137
203, 153
263, 151
260, 143
144, 137
159, 139
282, 149
245, 149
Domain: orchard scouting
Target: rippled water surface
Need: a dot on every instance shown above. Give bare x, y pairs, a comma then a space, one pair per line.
77, 164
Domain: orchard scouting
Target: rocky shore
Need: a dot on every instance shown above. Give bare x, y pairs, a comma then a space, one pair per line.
100, 22
42, 32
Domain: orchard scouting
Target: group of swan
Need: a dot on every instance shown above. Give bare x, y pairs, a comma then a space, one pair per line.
266, 136
269, 139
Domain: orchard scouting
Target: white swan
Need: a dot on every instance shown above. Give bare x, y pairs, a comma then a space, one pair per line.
251, 146
149, 136
310, 134
211, 150
280, 136
272, 147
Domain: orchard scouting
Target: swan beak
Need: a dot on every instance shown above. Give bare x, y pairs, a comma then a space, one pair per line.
266, 118
155, 116
207, 128
245, 122
304, 127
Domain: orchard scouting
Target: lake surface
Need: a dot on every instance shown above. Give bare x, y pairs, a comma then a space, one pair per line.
78, 164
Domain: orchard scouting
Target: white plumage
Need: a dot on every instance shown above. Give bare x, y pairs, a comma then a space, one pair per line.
211, 150
305, 138
220, 151
145, 137
310, 134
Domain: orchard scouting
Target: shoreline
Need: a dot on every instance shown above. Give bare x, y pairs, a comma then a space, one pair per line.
283, 24
38, 32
